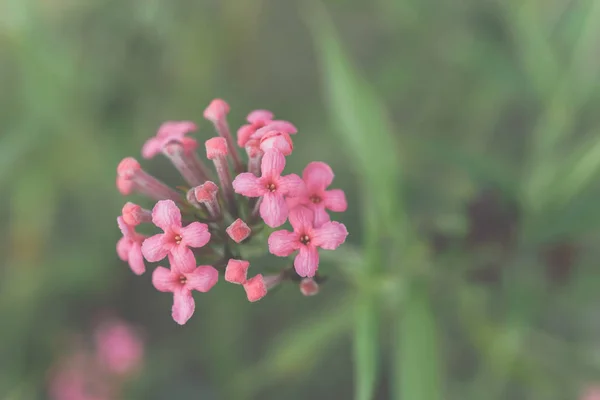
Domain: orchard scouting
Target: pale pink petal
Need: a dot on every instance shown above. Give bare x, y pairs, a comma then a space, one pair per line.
156, 247
123, 247
275, 140
127, 230
163, 280
302, 219
272, 165
166, 215
273, 209
152, 147
195, 234
255, 288
125, 186
317, 176
307, 261
335, 200
259, 116
283, 243
182, 259
183, 306
329, 236
291, 185
243, 134
136, 260
249, 185
293, 202
321, 216
202, 278
281, 126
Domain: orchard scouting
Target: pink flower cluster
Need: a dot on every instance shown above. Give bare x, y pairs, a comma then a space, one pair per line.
99, 374
215, 219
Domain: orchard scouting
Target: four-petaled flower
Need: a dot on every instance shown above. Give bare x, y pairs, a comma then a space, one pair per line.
181, 279
306, 238
317, 176
271, 186
129, 247
176, 239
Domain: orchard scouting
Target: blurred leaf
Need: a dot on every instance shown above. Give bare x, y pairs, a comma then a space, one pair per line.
417, 363
362, 123
366, 345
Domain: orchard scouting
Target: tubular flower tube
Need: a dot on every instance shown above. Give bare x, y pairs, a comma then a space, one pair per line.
226, 220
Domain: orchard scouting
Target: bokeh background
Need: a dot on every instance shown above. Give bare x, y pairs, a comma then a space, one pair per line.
465, 134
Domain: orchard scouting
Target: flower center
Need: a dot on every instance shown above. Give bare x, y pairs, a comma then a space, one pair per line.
304, 239
178, 239
271, 187
315, 199
182, 279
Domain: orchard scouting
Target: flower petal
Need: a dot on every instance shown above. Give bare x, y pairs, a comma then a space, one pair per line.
272, 165
166, 215
302, 219
183, 306
136, 259
155, 248
202, 278
273, 209
152, 147
255, 288
244, 133
317, 176
307, 261
123, 246
163, 280
329, 236
195, 234
182, 259
321, 216
283, 243
236, 271
335, 200
291, 185
127, 230
259, 116
249, 185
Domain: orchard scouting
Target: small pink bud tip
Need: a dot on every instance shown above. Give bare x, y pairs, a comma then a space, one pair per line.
128, 167
236, 271
125, 186
216, 147
238, 230
259, 116
277, 140
216, 110
309, 287
255, 288
206, 192
135, 215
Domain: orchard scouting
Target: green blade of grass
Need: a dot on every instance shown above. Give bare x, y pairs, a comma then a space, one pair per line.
417, 369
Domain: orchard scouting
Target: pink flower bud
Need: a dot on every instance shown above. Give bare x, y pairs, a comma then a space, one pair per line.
260, 116
216, 147
309, 287
135, 215
238, 230
216, 110
206, 194
141, 181
236, 271
277, 140
128, 167
125, 186
255, 288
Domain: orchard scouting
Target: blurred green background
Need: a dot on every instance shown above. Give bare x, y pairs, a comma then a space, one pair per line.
465, 134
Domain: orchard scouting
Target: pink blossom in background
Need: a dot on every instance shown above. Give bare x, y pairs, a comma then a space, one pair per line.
76, 378
181, 279
271, 187
317, 177
176, 239
129, 247
306, 238
591, 393
170, 131
118, 348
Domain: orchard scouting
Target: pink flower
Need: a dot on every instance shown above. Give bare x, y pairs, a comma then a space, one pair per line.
236, 271
306, 238
255, 288
181, 279
170, 131
259, 119
129, 247
271, 186
277, 140
591, 393
76, 378
317, 177
118, 348
238, 230
176, 239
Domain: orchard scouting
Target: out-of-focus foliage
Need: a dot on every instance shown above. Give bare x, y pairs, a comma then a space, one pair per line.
465, 134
